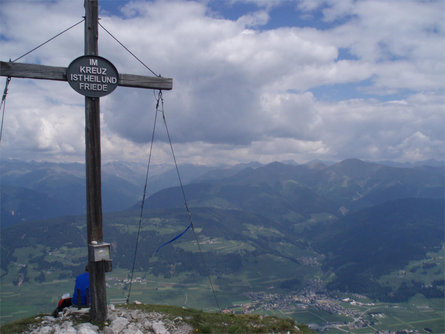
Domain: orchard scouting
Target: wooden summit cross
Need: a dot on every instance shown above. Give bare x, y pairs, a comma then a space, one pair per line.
93, 77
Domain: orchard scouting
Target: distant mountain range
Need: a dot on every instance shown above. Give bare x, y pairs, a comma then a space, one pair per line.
33, 190
350, 226
286, 190
39, 190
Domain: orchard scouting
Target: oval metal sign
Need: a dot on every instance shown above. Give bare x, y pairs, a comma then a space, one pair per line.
92, 76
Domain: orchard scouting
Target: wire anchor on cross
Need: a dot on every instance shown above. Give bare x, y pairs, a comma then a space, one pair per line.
98, 310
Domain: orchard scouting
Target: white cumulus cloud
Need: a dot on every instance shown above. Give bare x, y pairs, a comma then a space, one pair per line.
349, 79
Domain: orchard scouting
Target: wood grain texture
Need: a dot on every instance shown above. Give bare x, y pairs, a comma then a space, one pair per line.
32, 71
44, 72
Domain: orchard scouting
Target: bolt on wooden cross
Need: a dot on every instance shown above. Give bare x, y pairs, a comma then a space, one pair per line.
93, 77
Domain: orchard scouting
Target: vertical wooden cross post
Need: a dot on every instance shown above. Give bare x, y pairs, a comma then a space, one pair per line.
93, 77
98, 309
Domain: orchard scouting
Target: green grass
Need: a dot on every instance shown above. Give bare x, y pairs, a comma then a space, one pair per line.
209, 322
19, 326
302, 224
425, 270
28, 299
220, 246
418, 313
201, 322
67, 255
258, 230
186, 290
20, 302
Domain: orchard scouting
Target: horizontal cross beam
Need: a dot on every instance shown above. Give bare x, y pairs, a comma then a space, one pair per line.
32, 71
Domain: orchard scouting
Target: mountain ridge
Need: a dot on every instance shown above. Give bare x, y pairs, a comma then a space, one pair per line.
282, 229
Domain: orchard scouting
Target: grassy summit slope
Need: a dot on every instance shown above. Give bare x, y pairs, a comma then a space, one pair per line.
199, 321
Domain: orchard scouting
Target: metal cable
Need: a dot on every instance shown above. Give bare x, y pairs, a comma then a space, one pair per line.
3, 105
143, 200
5, 92
121, 44
185, 203
161, 100
60, 33
160, 103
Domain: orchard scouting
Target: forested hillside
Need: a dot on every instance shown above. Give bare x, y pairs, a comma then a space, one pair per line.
353, 226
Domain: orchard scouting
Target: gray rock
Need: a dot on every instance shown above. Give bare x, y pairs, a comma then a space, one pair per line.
108, 330
159, 328
121, 321
118, 324
87, 328
43, 330
133, 329
65, 328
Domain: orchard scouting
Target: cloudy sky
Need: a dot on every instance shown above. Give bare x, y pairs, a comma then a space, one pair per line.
254, 80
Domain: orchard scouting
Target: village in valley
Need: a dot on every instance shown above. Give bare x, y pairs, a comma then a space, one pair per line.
356, 311
352, 312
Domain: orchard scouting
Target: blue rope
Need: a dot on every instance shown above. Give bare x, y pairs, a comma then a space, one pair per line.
175, 238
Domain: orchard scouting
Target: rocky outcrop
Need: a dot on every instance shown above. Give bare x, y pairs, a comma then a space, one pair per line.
120, 320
